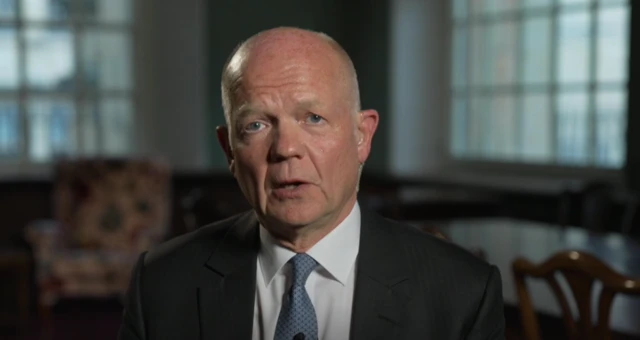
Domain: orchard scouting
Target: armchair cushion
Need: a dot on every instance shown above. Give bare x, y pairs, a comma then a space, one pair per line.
114, 204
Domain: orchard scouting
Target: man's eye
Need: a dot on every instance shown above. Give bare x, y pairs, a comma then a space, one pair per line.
315, 119
254, 126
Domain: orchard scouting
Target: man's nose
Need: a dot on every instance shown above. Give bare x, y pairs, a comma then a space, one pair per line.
287, 142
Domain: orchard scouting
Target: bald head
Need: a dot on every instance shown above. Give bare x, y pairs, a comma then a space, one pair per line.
284, 45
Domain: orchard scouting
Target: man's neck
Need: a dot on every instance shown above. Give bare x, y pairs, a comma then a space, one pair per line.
300, 239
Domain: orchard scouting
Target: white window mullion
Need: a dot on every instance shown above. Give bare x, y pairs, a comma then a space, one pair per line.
592, 88
518, 93
468, 86
554, 86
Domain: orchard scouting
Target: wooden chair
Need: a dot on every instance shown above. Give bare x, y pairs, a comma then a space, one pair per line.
581, 271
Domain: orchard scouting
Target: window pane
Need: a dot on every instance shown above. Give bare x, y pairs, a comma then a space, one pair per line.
106, 59
7, 9
478, 6
572, 128
505, 5
9, 130
459, 126
52, 128
459, 9
116, 126
536, 52
116, 11
610, 129
8, 58
573, 2
46, 9
494, 48
613, 25
609, 2
536, 3
501, 128
503, 47
573, 47
479, 115
492, 6
50, 61
459, 64
536, 128
481, 55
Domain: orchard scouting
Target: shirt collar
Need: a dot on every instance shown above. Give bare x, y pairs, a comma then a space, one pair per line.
345, 238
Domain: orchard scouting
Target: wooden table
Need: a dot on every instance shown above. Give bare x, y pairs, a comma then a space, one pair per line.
502, 240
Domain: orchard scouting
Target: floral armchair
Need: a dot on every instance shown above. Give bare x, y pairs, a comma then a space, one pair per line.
106, 212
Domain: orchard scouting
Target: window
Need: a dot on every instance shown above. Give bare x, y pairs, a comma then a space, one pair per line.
66, 84
540, 81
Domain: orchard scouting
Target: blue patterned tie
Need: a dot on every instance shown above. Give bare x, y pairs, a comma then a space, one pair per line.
297, 318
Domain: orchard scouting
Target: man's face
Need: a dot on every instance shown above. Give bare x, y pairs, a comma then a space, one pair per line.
296, 144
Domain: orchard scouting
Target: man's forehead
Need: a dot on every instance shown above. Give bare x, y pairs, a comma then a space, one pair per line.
286, 47
300, 83
308, 60
251, 104
289, 39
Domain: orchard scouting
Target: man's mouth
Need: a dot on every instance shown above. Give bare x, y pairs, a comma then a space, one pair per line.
289, 185
290, 189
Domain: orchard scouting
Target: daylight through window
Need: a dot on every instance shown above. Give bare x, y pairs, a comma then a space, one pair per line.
66, 79
540, 81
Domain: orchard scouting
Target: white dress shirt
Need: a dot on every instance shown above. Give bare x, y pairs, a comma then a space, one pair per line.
330, 286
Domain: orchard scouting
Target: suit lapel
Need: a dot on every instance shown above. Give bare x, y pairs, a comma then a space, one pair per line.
226, 302
383, 283
382, 292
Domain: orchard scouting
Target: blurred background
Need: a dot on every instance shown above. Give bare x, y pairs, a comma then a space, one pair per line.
507, 127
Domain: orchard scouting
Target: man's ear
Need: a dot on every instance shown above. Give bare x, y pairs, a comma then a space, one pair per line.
223, 138
367, 125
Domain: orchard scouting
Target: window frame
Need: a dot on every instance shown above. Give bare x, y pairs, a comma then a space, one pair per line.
23, 165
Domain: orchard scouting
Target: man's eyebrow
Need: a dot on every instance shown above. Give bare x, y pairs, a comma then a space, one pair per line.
308, 103
243, 111
246, 109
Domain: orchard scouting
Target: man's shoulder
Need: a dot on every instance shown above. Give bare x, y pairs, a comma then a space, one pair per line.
191, 244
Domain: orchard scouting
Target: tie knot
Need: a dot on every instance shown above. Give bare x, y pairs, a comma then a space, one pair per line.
303, 265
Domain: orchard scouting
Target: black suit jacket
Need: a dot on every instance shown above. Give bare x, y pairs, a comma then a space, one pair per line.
409, 285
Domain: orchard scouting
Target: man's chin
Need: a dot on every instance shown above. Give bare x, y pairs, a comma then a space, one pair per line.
292, 217
293, 222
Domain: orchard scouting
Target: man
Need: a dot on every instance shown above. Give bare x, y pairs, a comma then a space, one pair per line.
307, 262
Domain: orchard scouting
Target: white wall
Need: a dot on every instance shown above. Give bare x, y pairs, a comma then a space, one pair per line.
419, 86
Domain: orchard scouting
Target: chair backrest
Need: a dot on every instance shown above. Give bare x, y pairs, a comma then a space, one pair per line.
112, 203
580, 270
